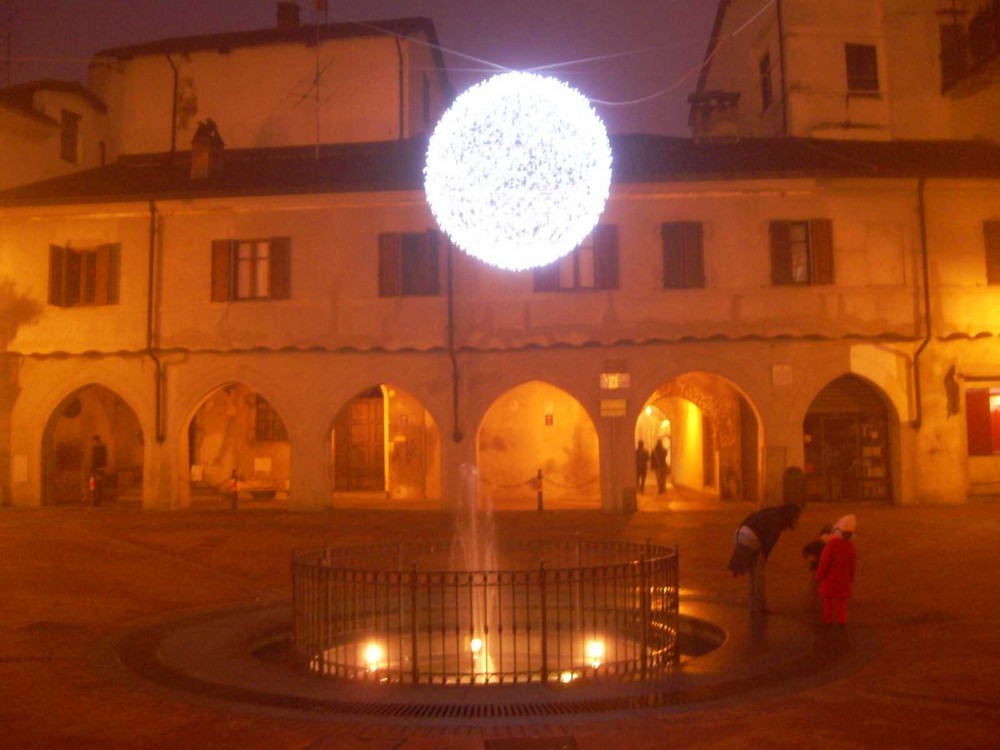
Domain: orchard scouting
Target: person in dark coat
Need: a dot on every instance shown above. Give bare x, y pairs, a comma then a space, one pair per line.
755, 538
641, 466
658, 462
835, 572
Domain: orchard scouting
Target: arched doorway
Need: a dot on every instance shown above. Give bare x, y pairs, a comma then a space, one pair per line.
711, 434
90, 417
538, 426
237, 438
385, 450
846, 443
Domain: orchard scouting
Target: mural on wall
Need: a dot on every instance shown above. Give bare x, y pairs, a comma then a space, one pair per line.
538, 426
385, 445
72, 471
237, 435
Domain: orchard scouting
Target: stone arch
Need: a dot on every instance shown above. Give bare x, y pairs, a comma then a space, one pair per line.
92, 449
235, 448
712, 432
537, 425
850, 434
384, 449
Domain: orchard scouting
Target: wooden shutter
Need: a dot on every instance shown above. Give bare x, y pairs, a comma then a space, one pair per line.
781, 253
991, 232
57, 273
694, 255
547, 278
281, 268
821, 250
977, 422
606, 256
222, 259
114, 273
432, 262
389, 264
102, 274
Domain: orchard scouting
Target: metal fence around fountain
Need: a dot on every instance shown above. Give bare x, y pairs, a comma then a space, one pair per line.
557, 611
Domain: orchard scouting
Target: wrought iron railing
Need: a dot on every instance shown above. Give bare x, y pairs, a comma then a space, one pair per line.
557, 611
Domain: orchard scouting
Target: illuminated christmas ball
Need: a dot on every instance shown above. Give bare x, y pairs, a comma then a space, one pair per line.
518, 170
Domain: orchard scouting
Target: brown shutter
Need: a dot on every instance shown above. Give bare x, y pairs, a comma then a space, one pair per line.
222, 258
389, 264
606, 256
991, 232
114, 273
977, 422
57, 261
432, 260
673, 255
821, 250
102, 274
547, 278
281, 268
694, 263
781, 253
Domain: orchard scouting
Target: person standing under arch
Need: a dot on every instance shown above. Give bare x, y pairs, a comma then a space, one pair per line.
641, 466
658, 461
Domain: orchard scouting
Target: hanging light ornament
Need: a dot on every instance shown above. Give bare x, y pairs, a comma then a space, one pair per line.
518, 170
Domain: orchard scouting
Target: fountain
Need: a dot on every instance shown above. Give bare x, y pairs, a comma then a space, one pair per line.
562, 611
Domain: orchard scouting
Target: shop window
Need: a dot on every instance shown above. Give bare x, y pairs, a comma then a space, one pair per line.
683, 262
251, 269
593, 264
991, 235
83, 276
802, 252
862, 68
69, 137
982, 419
409, 264
268, 426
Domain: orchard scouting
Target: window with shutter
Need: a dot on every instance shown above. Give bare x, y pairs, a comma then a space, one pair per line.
409, 264
982, 421
683, 261
862, 68
83, 276
256, 269
593, 264
991, 235
801, 252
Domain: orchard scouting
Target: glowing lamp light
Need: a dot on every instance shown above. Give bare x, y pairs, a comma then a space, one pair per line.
595, 653
373, 655
518, 170
476, 645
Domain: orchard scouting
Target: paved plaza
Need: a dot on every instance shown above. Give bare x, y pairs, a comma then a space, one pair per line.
922, 639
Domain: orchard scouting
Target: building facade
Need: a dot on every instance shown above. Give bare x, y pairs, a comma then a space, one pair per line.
258, 305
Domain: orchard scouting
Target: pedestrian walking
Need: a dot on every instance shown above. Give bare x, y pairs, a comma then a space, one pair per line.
835, 572
641, 466
658, 462
753, 542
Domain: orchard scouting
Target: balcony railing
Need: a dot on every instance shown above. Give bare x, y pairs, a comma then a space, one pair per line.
966, 50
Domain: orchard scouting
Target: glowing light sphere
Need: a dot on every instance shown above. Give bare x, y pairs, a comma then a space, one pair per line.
518, 170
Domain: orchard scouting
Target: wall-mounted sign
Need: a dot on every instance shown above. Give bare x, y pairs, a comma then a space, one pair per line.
613, 407
615, 381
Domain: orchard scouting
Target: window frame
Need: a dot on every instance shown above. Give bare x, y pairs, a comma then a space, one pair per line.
683, 254
592, 266
861, 69
269, 427
409, 263
818, 252
226, 265
84, 277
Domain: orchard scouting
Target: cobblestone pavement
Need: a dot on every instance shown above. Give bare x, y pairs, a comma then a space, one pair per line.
73, 578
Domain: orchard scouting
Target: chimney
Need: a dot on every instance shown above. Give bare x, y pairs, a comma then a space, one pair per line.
288, 15
206, 151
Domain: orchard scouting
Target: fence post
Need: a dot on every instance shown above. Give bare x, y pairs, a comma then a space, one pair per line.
545, 628
675, 603
644, 606
413, 623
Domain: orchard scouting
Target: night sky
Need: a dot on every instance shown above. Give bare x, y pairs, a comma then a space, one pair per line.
654, 44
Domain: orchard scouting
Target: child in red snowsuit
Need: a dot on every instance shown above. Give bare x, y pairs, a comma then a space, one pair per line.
836, 571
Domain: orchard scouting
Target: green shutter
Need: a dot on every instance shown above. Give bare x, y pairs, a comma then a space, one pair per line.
281, 267
821, 250
673, 255
781, 254
694, 263
57, 273
389, 264
606, 256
